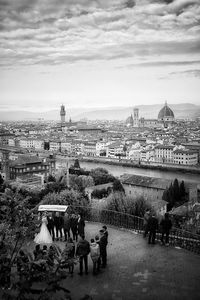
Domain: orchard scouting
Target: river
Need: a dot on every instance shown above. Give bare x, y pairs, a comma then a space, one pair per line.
119, 170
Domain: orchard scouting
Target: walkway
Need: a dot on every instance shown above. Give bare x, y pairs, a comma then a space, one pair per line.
137, 270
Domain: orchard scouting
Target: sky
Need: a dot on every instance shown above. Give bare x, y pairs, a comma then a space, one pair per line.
98, 53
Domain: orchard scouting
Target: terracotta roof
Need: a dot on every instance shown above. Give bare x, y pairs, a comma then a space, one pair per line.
145, 181
26, 160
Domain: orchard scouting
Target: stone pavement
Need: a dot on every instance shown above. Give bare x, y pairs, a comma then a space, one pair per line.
137, 270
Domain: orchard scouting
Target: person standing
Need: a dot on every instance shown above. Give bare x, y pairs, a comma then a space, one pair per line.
152, 227
95, 254
66, 225
74, 227
165, 225
82, 250
58, 221
146, 218
43, 237
50, 225
103, 250
99, 259
81, 225
105, 232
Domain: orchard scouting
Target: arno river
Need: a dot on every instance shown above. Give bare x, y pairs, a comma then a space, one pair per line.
119, 170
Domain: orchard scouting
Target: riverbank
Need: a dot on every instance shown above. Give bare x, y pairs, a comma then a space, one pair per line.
142, 165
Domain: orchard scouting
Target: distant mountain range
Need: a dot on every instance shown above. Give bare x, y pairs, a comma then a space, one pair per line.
183, 110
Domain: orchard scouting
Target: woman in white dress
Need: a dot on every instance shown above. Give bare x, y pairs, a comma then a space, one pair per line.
43, 237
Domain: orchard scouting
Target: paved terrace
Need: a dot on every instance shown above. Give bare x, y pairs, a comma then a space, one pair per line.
137, 270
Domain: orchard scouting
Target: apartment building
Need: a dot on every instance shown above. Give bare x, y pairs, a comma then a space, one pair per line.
164, 153
185, 157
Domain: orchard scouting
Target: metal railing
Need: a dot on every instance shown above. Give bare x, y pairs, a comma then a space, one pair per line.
178, 237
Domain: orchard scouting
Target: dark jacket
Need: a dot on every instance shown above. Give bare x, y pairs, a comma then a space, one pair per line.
83, 248
106, 235
50, 223
103, 244
81, 226
74, 225
152, 224
58, 221
165, 225
66, 222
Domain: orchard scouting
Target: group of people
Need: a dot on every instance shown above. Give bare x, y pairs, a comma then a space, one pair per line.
151, 226
57, 226
97, 249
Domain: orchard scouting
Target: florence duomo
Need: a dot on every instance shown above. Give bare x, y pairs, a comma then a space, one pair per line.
99, 150
165, 119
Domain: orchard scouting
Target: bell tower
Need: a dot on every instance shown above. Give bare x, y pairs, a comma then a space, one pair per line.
135, 117
62, 113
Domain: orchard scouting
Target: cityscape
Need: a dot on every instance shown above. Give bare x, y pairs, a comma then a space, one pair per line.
99, 149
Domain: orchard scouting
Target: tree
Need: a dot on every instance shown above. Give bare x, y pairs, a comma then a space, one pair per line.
65, 197
76, 164
176, 191
51, 178
101, 176
117, 186
182, 191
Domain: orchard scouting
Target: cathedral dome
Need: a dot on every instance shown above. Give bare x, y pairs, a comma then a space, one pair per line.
129, 120
166, 113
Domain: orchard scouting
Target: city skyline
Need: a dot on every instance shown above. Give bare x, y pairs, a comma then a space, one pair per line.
99, 53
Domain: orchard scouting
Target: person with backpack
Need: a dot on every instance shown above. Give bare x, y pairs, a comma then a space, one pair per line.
94, 254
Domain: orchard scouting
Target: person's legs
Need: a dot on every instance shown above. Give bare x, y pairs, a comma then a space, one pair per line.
65, 233
153, 237
150, 237
60, 230
94, 267
98, 264
162, 238
81, 265
85, 257
167, 237
104, 258
57, 232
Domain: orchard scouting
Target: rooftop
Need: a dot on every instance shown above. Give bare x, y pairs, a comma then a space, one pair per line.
145, 181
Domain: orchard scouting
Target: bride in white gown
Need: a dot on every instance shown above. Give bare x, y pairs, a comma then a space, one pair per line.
43, 237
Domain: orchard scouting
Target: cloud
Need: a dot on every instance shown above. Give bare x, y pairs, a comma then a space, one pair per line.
162, 64
193, 73
67, 31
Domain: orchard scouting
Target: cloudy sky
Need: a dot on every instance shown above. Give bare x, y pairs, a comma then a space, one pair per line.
88, 53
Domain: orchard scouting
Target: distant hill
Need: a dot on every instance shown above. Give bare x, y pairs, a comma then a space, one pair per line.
183, 110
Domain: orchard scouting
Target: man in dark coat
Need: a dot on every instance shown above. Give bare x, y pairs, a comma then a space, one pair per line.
82, 250
74, 227
58, 221
67, 225
81, 225
103, 251
152, 227
146, 218
165, 225
50, 226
